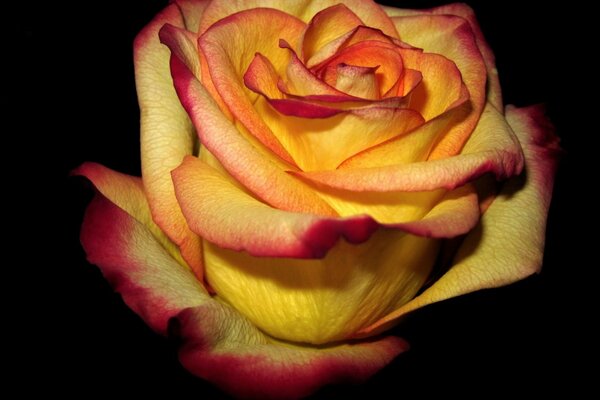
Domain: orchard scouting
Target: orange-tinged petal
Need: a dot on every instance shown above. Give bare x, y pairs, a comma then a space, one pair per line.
322, 144
229, 47
326, 26
240, 158
494, 92
416, 144
492, 147
218, 343
437, 213
359, 34
442, 112
357, 81
440, 84
453, 38
302, 82
508, 244
373, 54
367, 10
167, 134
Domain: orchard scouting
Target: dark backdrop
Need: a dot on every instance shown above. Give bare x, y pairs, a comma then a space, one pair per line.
77, 88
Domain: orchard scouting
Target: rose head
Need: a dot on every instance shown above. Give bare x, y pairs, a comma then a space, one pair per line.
304, 167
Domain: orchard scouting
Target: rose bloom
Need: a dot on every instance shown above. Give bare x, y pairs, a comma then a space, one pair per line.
311, 172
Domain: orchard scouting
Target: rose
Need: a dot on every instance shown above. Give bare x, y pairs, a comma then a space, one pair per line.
340, 146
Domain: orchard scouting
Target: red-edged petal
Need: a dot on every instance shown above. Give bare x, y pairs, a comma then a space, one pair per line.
223, 347
218, 344
247, 164
301, 82
167, 134
262, 78
367, 10
126, 192
244, 223
453, 38
508, 244
492, 148
137, 265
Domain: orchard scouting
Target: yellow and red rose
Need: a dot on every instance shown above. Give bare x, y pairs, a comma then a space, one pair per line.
302, 165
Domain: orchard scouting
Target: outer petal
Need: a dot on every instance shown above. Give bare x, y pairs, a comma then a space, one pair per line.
223, 347
508, 244
367, 10
152, 283
244, 223
127, 193
453, 38
494, 92
492, 147
192, 11
218, 343
167, 134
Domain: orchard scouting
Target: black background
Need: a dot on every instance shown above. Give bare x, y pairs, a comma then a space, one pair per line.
75, 101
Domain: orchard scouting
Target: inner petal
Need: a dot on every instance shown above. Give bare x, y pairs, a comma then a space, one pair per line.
326, 26
228, 48
324, 143
383, 56
357, 81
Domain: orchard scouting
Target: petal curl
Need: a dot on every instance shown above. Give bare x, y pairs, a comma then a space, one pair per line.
192, 11
443, 113
453, 38
218, 344
327, 25
508, 244
494, 92
493, 147
244, 223
229, 47
151, 282
167, 134
127, 193
323, 144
